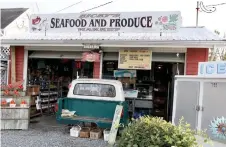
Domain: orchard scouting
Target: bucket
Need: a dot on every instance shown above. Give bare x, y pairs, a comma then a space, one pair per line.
106, 134
74, 131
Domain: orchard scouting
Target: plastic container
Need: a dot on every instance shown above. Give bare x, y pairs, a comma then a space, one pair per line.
12, 105
106, 134
75, 131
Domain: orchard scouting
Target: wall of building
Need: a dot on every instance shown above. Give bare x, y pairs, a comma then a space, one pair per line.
193, 57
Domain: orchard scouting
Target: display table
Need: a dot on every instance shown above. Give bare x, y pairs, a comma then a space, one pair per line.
146, 103
15, 117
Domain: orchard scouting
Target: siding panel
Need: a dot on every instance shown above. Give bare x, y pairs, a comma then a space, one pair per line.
194, 56
19, 62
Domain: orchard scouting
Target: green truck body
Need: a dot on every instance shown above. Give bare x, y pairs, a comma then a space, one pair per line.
98, 111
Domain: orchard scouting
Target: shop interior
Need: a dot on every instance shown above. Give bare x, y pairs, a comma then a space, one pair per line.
52, 77
154, 86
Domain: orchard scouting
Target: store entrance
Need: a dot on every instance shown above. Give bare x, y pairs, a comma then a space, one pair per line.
164, 74
161, 91
155, 87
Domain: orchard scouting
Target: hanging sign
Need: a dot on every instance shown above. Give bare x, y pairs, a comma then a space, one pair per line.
125, 73
165, 21
90, 57
135, 59
217, 68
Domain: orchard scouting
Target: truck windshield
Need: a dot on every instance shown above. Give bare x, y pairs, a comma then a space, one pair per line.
95, 89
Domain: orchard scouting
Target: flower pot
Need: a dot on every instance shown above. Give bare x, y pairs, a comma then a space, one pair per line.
12, 105
23, 105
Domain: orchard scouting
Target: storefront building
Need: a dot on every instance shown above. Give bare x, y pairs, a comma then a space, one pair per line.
156, 56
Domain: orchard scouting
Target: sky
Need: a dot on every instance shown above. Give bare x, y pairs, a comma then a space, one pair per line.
213, 21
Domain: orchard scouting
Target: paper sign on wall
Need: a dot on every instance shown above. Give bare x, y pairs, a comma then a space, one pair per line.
135, 59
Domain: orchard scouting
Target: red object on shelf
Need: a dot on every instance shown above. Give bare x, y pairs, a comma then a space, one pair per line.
56, 107
78, 64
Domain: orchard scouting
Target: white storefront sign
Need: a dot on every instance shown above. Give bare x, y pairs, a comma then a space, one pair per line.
107, 22
212, 68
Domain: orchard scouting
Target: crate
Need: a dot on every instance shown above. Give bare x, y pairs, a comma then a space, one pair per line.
85, 132
33, 90
95, 133
15, 118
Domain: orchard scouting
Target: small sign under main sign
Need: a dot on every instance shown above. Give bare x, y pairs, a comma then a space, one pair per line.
91, 46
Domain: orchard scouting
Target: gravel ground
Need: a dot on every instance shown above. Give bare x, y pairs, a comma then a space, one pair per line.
45, 134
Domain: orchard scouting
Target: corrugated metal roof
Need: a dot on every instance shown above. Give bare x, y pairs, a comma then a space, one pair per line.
9, 15
184, 34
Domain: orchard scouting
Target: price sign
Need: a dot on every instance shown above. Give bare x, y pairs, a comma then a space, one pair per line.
135, 59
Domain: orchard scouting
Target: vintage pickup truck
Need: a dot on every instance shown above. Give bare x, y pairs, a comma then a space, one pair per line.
92, 101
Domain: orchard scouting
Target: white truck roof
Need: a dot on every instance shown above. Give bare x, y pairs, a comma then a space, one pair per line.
119, 96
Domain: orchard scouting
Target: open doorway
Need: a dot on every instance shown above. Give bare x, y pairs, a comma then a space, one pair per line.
50, 79
164, 74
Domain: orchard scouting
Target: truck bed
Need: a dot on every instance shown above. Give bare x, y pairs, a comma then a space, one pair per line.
96, 111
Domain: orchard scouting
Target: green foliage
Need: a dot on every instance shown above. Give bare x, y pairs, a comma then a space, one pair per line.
155, 132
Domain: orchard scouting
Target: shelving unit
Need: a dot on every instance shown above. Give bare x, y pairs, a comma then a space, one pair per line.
48, 96
33, 110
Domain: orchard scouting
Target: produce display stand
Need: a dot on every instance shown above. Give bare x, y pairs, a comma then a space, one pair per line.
15, 107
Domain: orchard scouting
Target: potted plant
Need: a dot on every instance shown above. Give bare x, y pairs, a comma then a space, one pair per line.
23, 103
12, 103
10, 89
20, 90
3, 103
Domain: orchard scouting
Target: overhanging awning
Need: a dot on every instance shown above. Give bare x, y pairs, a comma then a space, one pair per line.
197, 37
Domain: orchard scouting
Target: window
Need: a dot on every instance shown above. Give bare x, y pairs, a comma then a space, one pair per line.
95, 89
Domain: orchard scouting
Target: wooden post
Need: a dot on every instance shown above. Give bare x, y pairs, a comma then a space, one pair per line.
13, 65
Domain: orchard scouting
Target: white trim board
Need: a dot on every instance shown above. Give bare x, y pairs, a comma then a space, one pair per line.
25, 68
105, 49
117, 43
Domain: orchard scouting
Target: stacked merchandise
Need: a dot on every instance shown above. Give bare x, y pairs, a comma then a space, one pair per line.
49, 93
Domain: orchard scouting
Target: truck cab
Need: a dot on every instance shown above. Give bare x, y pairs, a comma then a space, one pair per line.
93, 101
